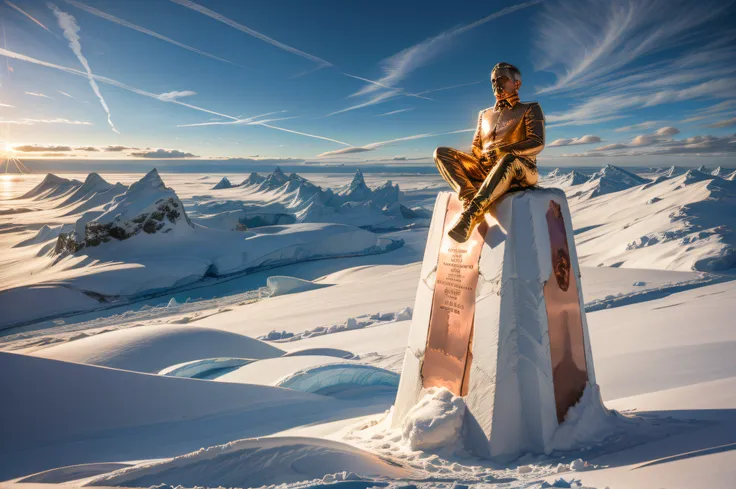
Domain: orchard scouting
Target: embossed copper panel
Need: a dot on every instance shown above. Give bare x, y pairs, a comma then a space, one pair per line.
447, 357
569, 370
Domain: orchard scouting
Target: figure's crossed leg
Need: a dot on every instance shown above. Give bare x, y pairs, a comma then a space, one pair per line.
510, 170
462, 171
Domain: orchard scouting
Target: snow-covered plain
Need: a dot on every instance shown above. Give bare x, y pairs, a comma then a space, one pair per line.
180, 350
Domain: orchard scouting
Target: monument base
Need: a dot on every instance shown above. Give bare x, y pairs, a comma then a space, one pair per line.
500, 320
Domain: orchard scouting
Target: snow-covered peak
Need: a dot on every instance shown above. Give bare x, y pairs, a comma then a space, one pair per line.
93, 184
386, 194
692, 176
357, 190
618, 174
674, 171
703, 169
562, 179
274, 180
358, 178
94, 179
357, 183
51, 186
607, 180
253, 179
152, 180
52, 179
573, 178
224, 183
147, 205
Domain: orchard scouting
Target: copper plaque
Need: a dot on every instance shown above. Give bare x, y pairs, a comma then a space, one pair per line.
569, 370
448, 354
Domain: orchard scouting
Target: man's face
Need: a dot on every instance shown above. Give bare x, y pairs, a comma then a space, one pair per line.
503, 85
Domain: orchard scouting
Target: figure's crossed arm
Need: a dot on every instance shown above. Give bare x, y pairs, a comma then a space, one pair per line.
533, 143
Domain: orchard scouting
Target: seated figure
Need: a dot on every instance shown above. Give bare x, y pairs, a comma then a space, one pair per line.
508, 137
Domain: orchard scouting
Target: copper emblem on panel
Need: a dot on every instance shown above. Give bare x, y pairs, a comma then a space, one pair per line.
448, 353
564, 318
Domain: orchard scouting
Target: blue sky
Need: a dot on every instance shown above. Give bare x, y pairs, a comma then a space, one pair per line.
629, 83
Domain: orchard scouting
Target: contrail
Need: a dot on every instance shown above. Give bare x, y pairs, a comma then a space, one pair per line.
372, 146
450, 87
237, 121
379, 84
63, 93
71, 29
209, 13
395, 112
138, 28
110, 81
305, 134
11, 5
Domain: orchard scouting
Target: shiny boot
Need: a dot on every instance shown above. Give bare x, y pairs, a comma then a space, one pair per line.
469, 219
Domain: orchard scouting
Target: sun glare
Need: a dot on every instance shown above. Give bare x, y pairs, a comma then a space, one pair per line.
10, 164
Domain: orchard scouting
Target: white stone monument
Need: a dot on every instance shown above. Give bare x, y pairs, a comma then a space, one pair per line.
500, 320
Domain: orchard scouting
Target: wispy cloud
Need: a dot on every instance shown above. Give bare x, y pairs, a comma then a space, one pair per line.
396, 112
721, 109
143, 30
695, 145
116, 149
34, 20
724, 123
637, 127
666, 131
584, 42
110, 81
587, 139
34, 94
602, 52
169, 96
71, 31
66, 94
401, 64
31, 122
600, 108
373, 146
221, 18
660, 136
32, 148
163, 153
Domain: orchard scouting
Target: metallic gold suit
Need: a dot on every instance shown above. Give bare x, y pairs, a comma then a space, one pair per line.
508, 137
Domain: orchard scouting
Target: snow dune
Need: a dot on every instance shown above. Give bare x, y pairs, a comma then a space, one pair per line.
151, 349
278, 460
66, 413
